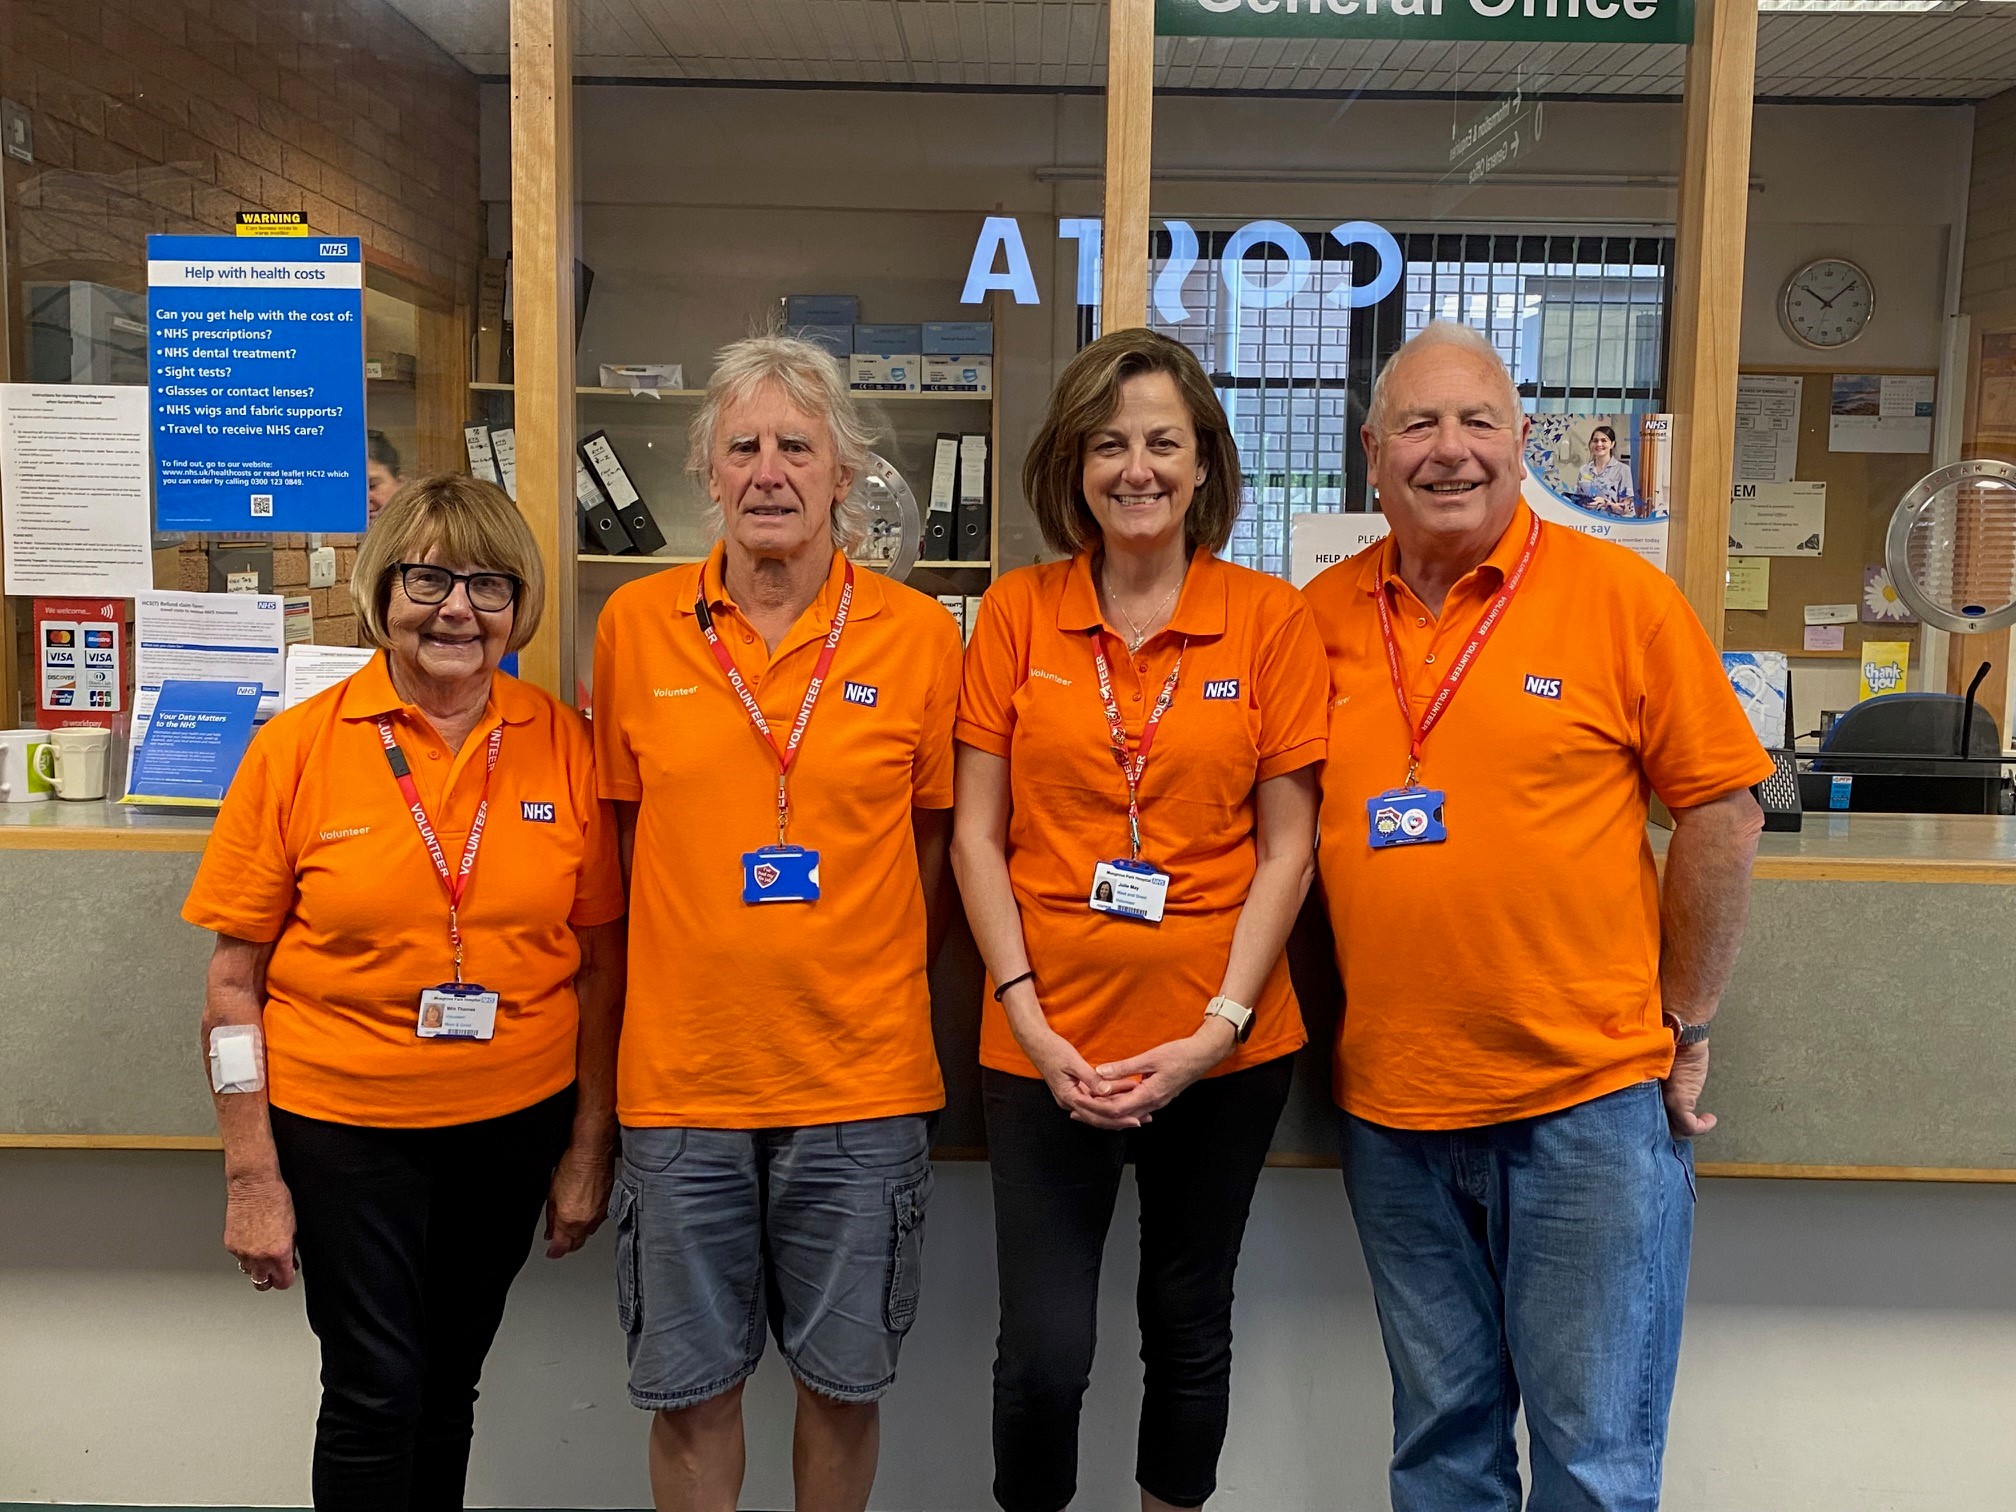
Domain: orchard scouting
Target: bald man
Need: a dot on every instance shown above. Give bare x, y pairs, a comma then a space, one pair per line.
1525, 1036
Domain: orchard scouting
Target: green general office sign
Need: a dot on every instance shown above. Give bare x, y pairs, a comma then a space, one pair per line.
1431, 20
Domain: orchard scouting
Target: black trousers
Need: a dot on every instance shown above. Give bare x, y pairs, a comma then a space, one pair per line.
409, 1241
1055, 1182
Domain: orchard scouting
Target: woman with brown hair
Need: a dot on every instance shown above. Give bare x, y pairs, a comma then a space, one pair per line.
1140, 733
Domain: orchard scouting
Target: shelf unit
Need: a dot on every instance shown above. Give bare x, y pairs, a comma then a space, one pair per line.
649, 430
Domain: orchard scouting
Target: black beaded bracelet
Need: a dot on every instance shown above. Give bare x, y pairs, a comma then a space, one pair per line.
1002, 991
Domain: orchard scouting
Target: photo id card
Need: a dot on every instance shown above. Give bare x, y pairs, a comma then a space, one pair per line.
1406, 816
457, 1010
780, 874
1132, 889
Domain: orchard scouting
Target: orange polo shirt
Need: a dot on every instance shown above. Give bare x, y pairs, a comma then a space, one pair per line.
314, 850
1514, 969
775, 1015
1249, 707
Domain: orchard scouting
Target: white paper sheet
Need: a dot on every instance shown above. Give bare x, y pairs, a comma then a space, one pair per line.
1767, 427
1777, 519
1881, 413
1320, 541
73, 478
310, 669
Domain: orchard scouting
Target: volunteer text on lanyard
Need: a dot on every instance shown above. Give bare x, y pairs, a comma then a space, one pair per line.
1411, 815
780, 873
457, 1009
1131, 888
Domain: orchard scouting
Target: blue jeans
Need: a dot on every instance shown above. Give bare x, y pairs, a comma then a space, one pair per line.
1543, 1258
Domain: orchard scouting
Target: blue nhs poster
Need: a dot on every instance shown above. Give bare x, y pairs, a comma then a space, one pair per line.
255, 382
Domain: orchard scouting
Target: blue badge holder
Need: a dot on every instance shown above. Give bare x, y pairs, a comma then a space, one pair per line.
780, 874
1405, 816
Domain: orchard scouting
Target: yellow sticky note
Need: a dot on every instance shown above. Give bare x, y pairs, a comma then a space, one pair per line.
1884, 664
1749, 584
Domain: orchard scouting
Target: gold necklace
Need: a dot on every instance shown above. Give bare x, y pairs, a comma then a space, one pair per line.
1140, 636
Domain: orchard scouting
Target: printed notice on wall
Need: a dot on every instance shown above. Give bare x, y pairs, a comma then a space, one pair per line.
1320, 541
1777, 519
255, 361
1886, 412
205, 637
73, 483
1767, 427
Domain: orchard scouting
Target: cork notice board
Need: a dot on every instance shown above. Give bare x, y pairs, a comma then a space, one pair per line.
1862, 491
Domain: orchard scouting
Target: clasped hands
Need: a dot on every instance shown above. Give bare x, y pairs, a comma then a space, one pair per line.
1126, 1094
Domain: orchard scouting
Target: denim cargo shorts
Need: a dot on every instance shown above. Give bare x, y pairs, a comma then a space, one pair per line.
816, 1231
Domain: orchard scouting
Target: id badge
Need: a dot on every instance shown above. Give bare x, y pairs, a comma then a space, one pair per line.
457, 1010
1132, 889
1406, 816
780, 874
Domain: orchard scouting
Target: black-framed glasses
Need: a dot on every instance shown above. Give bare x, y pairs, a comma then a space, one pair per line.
492, 592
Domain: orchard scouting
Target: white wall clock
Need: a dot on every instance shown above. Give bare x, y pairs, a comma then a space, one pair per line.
1827, 303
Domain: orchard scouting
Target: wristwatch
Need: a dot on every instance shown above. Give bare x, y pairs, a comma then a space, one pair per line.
1686, 1034
1237, 1015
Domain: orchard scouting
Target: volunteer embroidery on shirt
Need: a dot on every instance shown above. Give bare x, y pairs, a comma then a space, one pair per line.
674, 692
537, 813
1062, 682
1224, 687
864, 694
345, 834
1543, 687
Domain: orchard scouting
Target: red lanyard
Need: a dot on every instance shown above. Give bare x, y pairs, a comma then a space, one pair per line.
458, 882
786, 752
1445, 695
1131, 767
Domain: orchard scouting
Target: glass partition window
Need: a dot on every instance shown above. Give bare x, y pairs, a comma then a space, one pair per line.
1579, 319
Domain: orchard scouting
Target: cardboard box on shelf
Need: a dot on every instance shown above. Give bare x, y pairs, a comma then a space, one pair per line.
837, 339
822, 309
958, 338
958, 375
643, 377
887, 359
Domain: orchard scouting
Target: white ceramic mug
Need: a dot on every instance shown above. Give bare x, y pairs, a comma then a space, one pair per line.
19, 781
74, 763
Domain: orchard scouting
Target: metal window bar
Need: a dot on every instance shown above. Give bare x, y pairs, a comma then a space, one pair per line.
1580, 319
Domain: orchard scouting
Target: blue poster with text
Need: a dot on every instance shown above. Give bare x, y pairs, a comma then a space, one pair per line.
255, 382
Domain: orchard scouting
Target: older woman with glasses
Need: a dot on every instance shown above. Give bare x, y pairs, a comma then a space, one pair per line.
410, 1024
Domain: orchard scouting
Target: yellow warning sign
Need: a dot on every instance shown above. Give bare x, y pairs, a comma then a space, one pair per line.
273, 223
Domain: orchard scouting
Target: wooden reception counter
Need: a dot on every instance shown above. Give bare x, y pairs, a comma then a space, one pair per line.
1870, 1031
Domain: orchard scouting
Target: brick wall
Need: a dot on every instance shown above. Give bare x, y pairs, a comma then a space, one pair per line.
156, 116
173, 115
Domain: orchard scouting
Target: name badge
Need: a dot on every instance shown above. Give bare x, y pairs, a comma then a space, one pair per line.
780, 874
1131, 889
1406, 816
457, 1010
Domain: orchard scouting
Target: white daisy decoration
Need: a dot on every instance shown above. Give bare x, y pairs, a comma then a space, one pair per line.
1880, 603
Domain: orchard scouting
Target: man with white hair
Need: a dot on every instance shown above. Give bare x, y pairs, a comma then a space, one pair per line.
776, 732
1525, 1034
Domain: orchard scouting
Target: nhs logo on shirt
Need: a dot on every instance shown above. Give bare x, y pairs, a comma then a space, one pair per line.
536, 813
1224, 687
1543, 687
864, 694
